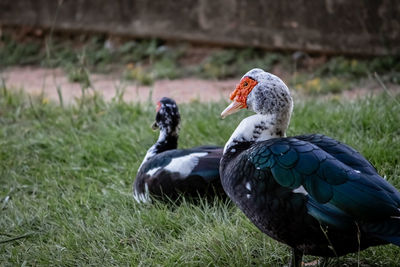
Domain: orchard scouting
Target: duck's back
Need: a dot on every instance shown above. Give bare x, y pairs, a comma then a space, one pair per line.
189, 172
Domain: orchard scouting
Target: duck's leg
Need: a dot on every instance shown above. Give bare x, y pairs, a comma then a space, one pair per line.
297, 256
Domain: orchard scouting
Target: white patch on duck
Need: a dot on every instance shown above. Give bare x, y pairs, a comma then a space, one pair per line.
142, 197
300, 190
152, 171
185, 164
248, 130
136, 196
152, 150
248, 196
170, 105
248, 186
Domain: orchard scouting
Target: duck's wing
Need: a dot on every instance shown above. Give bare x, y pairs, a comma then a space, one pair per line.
180, 170
340, 151
208, 166
331, 181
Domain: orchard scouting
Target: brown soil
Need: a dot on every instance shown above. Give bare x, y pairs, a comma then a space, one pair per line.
35, 80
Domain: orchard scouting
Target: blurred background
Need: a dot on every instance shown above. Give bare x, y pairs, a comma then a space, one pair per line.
197, 49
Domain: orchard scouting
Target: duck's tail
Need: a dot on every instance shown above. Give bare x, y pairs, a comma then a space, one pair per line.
388, 230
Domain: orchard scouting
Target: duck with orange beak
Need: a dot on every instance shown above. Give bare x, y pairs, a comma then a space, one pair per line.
311, 192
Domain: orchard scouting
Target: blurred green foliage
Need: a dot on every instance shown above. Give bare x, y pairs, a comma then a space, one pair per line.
145, 61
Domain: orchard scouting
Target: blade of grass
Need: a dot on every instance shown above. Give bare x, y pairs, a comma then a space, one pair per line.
380, 82
15, 238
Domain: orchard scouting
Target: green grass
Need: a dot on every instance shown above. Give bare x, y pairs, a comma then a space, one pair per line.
66, 175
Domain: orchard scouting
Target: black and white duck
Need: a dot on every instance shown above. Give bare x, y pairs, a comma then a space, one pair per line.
311, 192
167, 172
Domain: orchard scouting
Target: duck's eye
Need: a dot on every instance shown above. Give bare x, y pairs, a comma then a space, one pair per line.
245, 84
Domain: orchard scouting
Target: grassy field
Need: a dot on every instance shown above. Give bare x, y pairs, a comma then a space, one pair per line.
66, 175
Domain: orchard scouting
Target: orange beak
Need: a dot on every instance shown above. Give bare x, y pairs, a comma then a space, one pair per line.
232, 108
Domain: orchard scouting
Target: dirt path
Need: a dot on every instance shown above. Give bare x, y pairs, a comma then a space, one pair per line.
35, 80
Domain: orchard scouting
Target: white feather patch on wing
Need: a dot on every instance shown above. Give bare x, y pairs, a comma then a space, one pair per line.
185, 164
142, 197
152, 171
136, 195
300, 190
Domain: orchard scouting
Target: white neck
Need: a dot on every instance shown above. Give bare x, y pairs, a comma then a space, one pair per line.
257, 128
152, 151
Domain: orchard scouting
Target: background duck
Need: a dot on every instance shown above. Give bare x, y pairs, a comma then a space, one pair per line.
169, 172
311, 192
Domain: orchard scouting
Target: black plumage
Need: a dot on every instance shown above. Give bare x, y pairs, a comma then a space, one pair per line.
320, 222
167, 172
311, 192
